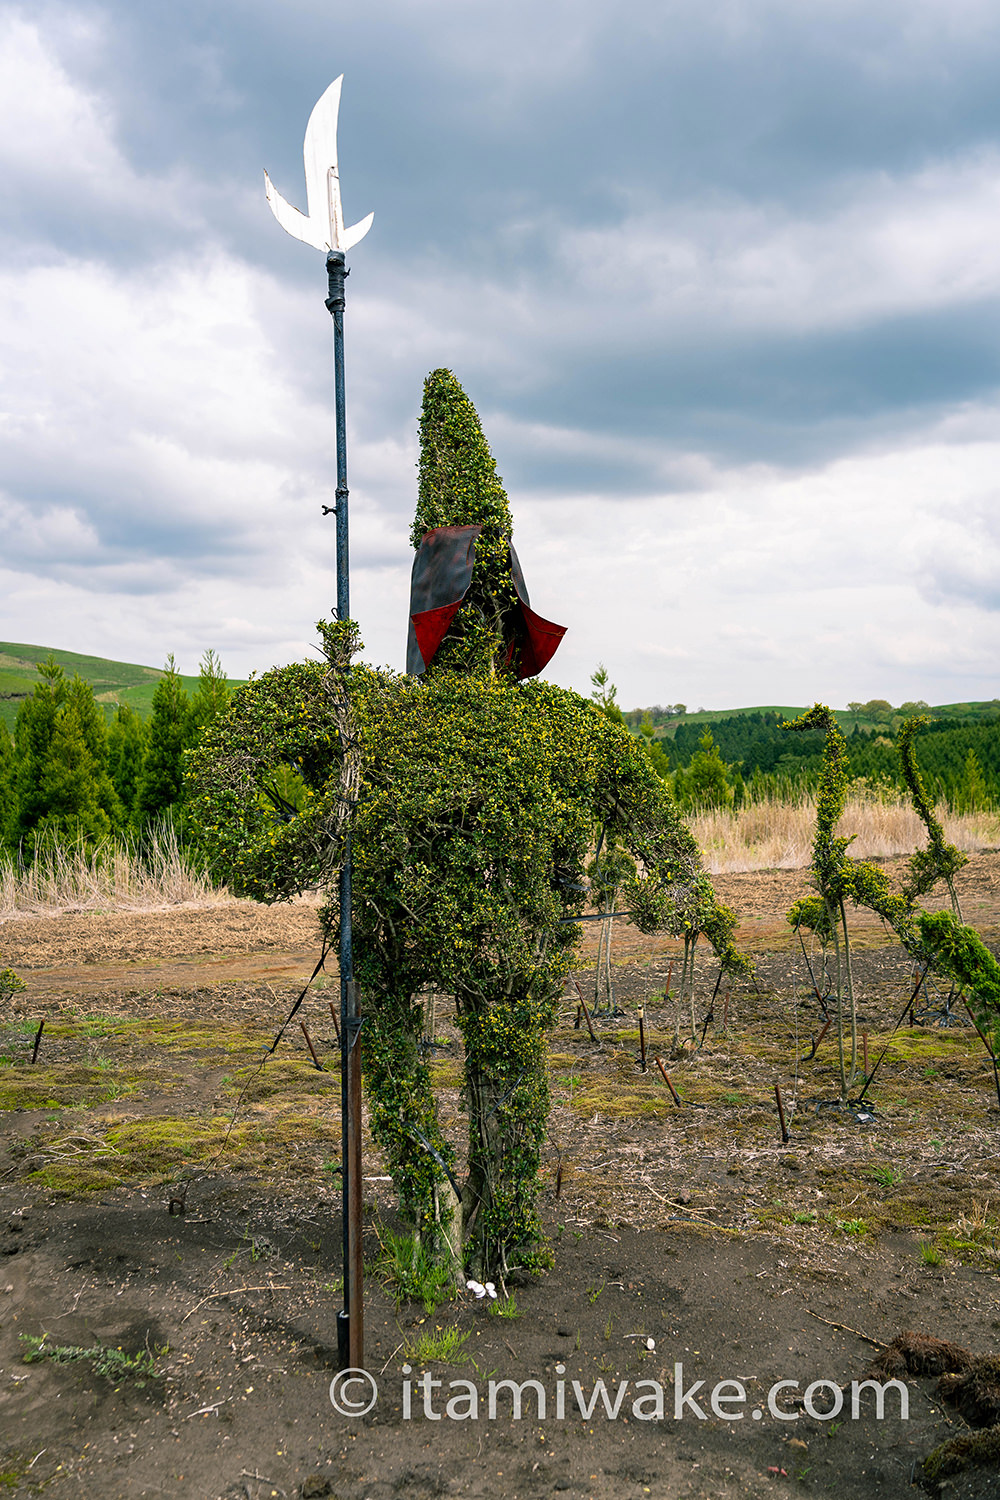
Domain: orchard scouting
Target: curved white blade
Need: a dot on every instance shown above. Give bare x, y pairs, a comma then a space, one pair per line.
320, 153
324, 225
291, 220
357, 231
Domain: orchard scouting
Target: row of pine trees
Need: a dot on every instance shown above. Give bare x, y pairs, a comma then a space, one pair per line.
67, 775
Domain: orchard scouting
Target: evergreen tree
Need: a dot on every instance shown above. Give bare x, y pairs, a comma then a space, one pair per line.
33, 731
212, 694
972, 794
8, 806
62, 783
168, 735
126, 752
605, 694
706, 783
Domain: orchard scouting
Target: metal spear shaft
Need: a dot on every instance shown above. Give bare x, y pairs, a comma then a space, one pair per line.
323, 228
350, 1320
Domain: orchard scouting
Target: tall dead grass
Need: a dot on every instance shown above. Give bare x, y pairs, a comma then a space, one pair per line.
114, 876
778, 835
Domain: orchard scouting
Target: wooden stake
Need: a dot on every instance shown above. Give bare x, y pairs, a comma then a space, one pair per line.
666, 1080
336, 1021
309, 1044
642, 1039
815, 1047
989, 1049
586, 1012
781, 1115
38, 1041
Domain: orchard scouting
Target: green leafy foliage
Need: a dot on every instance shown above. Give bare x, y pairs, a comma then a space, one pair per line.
10, 985
113, 1364
939, 860
459, 486
605, 694
411, 1274
475, 813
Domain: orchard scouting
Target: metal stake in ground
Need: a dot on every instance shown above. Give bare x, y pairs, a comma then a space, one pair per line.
323, 228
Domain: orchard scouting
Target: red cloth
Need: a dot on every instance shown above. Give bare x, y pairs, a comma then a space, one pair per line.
442, 574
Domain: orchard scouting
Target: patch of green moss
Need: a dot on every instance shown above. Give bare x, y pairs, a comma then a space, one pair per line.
917, 1208
67, 1084
612, 1097
76, 1178
187, 1036
656, 1041
920, 1044
287, 1078
447, 1074
966, 1451
175, 1035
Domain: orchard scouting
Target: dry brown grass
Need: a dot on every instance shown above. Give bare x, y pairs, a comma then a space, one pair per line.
113, 876
778, 835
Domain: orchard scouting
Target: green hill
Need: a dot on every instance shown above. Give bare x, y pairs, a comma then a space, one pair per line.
667, 724
113, 682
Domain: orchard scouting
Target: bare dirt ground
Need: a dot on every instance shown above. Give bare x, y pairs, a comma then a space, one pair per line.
692, 1225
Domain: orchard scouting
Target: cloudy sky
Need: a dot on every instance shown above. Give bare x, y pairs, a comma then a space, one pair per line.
722, 279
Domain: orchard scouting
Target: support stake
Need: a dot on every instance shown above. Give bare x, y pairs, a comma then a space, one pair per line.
666, 1080
781, 1115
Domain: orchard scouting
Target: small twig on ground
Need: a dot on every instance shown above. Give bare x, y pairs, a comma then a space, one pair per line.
232, 1292
261, 1479
203, 1409
391, 1356
845, 1329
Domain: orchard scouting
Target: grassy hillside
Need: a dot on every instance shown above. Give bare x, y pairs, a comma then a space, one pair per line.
113, 682
847, 719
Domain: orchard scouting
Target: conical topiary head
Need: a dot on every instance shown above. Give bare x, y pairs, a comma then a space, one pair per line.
459, 486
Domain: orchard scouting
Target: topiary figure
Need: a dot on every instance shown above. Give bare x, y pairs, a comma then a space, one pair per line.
939, 860
939, 939
477, 796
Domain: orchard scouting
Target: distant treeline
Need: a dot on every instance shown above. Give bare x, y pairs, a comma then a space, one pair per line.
960, 761
66, 774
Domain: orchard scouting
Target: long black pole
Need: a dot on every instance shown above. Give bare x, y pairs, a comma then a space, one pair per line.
350, 1320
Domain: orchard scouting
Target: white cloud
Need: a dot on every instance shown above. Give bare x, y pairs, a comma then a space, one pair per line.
889, 245
765, 587
167, 437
